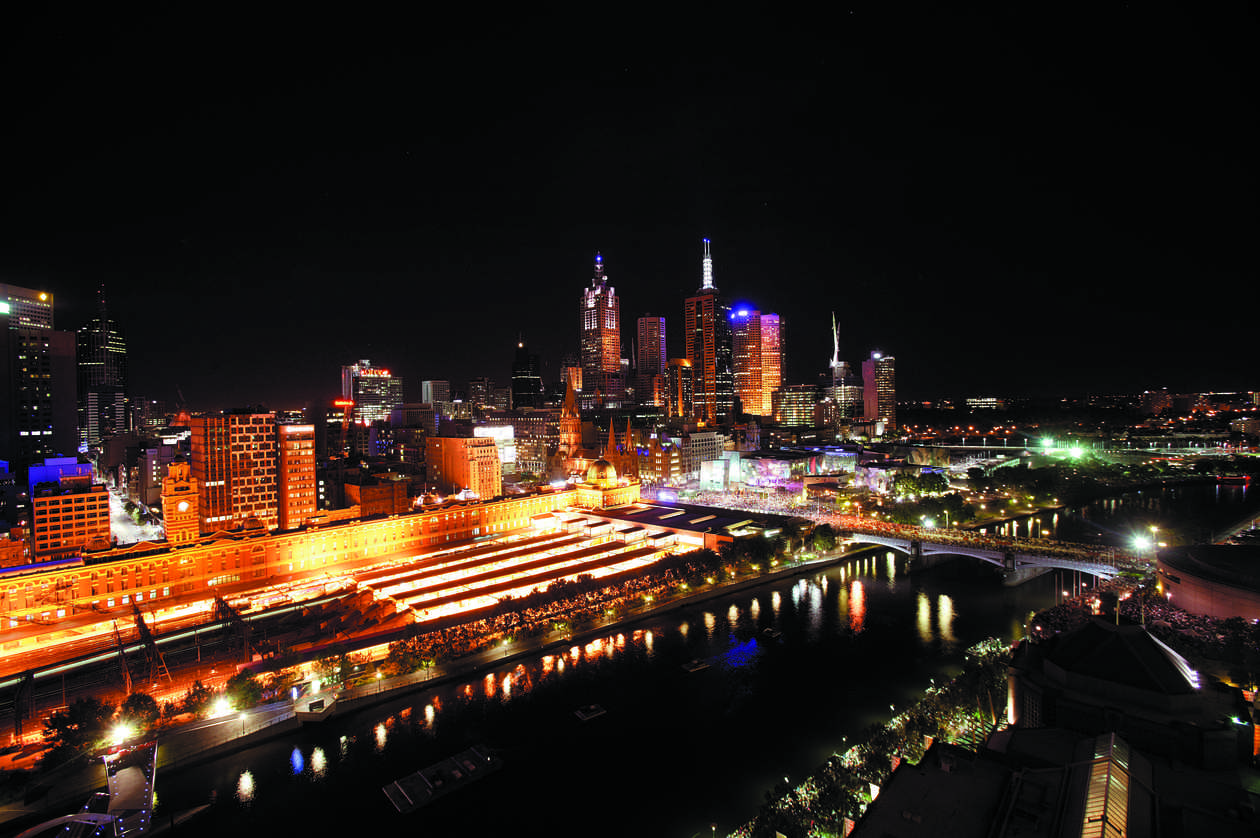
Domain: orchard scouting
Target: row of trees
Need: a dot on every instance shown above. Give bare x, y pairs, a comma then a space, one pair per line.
88, 724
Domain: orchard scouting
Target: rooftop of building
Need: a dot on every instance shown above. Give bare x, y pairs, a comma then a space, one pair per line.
1229, 564
1122, 654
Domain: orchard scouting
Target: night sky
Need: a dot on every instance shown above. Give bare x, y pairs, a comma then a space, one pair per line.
1025, 202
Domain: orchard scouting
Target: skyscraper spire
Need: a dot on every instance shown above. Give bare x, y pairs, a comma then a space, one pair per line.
707, 281
599, 269
835, 346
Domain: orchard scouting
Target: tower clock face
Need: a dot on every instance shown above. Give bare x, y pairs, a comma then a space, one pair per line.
182, 506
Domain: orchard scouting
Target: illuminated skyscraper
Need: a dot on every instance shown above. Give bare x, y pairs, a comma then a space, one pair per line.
375, 392
37, 379
601, 339
757, 358
295, 475
233, 460
679, 389
707, 328
650, 359
102, 362
879, 381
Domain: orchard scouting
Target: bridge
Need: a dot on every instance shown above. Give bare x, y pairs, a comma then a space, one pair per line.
1008, 558
1010, 554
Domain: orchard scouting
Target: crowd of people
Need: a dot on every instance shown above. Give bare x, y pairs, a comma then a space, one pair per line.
964, 710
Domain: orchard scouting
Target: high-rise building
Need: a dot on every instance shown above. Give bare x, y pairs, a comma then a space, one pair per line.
795, 404
38, 409
600, 342
650, 360
432, 392
757, 359
679, 389
459, 463
480, 390
707, 328
846, 386
233, 460
879, 382
66, 515
295, 475
527, 383
374, 391
102, 367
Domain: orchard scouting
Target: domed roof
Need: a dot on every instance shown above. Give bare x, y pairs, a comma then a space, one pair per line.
601, 470
252, 523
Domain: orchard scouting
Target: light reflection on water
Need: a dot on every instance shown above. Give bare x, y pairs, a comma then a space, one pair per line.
923, 617
245, 788
857, 606
815, 608
945, 620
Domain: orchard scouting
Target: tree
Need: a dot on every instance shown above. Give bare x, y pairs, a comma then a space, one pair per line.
76, 730
243, 690
824, 538
140, 710
197, 699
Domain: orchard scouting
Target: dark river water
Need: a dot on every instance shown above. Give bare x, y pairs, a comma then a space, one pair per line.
676, 751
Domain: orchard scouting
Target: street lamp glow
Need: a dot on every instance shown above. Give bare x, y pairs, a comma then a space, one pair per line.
122, 732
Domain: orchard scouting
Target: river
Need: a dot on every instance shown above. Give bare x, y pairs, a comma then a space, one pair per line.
675, 752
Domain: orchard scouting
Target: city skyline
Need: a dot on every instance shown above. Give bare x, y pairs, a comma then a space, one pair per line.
1003, 215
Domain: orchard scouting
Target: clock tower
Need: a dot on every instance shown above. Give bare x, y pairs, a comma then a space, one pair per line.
179, 504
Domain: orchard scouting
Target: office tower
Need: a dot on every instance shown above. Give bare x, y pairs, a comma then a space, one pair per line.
102, 367
679, 389
480, 391
794, 405
757, 359
459, 463
600, 343
295, 475
374, 391
879, 382
233, 460
432, 392
68, 513
38, 409
846, 386
746, 359
650, 360
527, 383
707, 327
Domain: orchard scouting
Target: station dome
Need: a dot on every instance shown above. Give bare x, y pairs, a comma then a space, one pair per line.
601, 471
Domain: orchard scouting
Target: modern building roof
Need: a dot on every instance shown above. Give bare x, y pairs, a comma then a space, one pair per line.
1124, 654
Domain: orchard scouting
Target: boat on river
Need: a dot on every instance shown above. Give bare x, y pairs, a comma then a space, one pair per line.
441, 778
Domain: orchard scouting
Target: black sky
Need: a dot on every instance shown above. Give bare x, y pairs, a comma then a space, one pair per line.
1029, 201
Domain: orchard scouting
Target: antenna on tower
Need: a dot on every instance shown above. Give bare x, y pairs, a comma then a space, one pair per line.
707, 281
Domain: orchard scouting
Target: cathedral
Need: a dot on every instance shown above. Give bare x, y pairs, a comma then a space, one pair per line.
571, 460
